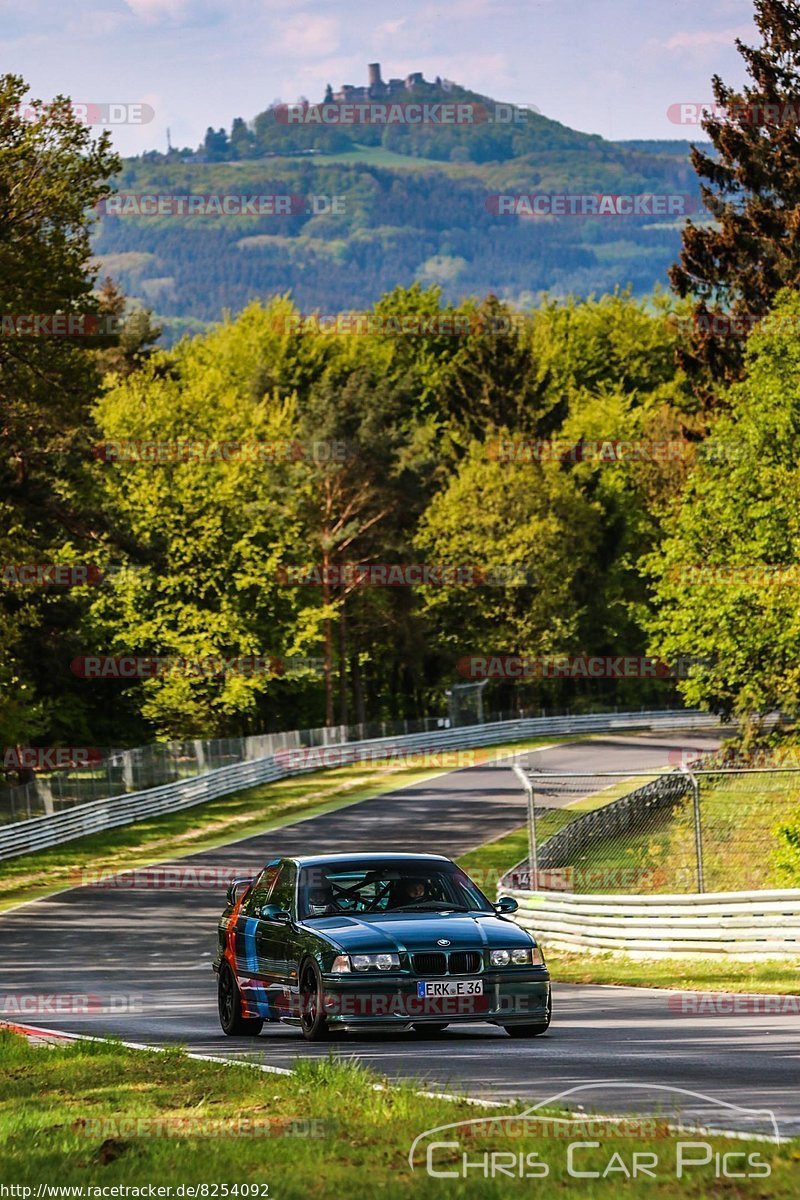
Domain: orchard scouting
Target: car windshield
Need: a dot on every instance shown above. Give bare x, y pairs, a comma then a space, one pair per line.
349, 888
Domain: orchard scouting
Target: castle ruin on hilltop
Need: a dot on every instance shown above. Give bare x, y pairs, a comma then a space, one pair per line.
379, 89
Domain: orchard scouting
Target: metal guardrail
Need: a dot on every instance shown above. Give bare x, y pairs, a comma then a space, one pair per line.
745, 925
39, 833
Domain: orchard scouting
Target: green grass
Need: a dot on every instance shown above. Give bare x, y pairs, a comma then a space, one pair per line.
61, 1108
776, 977
216, 823
376, 156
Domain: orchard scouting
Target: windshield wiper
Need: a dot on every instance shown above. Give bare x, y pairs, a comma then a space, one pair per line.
431, 906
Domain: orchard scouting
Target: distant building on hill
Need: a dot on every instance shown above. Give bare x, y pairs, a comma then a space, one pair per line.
378, 89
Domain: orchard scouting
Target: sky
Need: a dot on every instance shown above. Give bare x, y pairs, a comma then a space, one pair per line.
611, 67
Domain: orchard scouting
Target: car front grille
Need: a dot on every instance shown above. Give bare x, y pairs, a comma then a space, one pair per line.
457, 962
430, 964
465, 962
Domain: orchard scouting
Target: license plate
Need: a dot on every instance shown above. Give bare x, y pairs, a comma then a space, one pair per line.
431, 988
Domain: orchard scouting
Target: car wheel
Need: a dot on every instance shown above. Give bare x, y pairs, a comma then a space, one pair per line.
533, 1030
313, 1021
428, 1030
230, 1007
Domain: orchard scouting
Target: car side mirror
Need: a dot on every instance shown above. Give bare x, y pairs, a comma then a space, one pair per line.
506, 904
234, 885
274, 912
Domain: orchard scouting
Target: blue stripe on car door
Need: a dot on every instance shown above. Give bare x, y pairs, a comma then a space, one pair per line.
251, 957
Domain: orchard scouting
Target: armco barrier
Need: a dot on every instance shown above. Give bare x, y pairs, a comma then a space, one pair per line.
742, 925
24, 837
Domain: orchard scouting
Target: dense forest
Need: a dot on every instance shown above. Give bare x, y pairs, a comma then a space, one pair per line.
347, 521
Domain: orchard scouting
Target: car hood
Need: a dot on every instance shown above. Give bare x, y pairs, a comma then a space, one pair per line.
372, 933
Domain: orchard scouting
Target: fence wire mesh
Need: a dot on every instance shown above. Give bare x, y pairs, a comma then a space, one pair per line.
715, 827
118, 772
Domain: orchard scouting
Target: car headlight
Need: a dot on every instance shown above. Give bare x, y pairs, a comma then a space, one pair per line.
519, 958
341, 964
383, 962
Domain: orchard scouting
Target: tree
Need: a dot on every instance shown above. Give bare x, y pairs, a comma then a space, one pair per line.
490, 379
350, 503
526, 519
726, 578
751, 183
210, 529
131, 338
241, 139
215, 145
52, 173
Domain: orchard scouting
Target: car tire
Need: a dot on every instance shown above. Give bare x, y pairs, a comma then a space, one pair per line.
432, 1030
313, 1021
229, 1002
532, 1030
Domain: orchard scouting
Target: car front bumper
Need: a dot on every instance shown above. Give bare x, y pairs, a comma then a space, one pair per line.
508, 997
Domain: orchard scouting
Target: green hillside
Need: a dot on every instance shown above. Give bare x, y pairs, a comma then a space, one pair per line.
417, 206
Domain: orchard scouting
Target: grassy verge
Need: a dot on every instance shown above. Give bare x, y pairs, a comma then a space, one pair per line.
94, 1114
242, 814
775, 977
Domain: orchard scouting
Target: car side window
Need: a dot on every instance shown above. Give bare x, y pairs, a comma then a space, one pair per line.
261, 890
282, 893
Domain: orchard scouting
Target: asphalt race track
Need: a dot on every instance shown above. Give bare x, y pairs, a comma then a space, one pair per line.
116, 942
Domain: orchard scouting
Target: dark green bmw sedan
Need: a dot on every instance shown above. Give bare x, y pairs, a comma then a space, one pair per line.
374, 941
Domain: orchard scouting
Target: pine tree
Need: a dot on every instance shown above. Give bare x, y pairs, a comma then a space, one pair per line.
751, 183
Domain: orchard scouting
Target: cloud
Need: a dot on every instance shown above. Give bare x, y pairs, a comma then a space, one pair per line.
699, 39
305, 36
154, 10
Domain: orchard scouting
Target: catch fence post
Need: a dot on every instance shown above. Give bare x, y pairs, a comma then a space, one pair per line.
698, 830
533, 850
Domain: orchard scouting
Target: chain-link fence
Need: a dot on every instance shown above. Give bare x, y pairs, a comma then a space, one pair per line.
701, 828
118, 772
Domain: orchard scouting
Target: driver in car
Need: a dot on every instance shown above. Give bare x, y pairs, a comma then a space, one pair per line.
320, 902
408, 891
